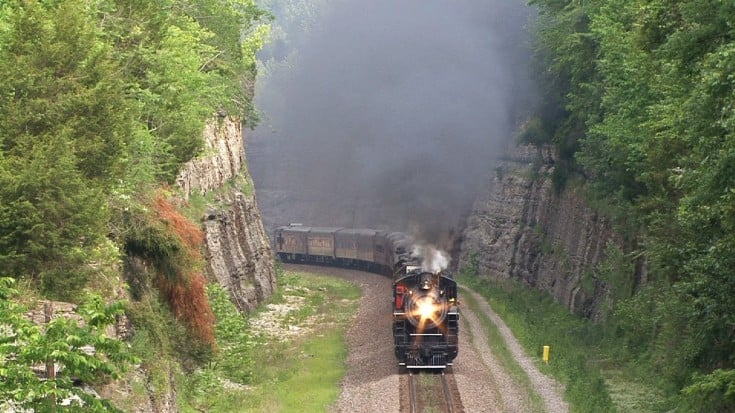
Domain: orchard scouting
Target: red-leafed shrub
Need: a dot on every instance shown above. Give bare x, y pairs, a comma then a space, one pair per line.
185, 292
188, 302
172, 245
189, 234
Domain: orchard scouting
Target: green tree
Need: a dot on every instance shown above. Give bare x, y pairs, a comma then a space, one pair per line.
567, 51
182, 62
49, 218
100, 102
653, 98
83, 352
59, 82
63, 131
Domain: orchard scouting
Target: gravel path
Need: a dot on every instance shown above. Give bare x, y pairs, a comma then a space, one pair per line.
549, 389
498, 392
371, 383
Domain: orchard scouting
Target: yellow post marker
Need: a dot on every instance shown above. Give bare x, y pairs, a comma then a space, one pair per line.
547, 349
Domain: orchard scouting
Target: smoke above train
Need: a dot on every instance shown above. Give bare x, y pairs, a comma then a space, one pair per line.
390, 114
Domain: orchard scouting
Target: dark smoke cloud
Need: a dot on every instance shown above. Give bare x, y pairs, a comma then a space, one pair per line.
392, 114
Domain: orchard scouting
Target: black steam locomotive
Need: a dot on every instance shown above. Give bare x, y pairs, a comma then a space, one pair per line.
425, 318
425, 307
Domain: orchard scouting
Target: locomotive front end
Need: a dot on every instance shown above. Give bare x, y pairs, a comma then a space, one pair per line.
425, 319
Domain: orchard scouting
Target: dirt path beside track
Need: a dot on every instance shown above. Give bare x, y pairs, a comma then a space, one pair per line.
548, 389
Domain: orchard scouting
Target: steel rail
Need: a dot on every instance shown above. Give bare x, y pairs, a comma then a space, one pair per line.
411, 392
447, 394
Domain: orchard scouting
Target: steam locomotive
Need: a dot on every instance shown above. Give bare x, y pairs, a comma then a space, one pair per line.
425, 307
425, 318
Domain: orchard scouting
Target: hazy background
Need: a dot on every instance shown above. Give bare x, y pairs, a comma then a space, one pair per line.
387, 114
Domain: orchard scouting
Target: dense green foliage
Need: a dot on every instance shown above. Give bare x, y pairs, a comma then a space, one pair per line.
101, 102
640, 101
63, 341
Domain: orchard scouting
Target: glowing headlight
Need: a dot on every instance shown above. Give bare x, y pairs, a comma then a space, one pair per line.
426, 308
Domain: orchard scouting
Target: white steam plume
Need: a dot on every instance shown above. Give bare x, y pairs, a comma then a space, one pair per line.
432, 259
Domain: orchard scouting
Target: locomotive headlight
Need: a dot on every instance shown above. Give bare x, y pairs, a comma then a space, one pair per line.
426, 308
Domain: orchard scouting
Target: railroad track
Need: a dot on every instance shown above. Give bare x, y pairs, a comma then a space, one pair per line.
447, 393
413, 408
434, 391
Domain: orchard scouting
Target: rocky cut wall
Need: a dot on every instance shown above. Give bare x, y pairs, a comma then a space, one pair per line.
521, 229
238, 249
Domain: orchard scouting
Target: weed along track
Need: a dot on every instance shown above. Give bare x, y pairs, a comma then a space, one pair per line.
429, 391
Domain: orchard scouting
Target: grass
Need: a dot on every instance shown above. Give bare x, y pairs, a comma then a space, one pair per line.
536, 320
259, 371
631, 395
582, 357
302, 378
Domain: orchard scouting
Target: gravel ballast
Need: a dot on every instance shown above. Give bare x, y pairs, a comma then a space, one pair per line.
371, 383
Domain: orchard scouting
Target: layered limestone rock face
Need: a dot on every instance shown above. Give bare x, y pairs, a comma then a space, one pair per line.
238, 252
222, 159
520, 228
